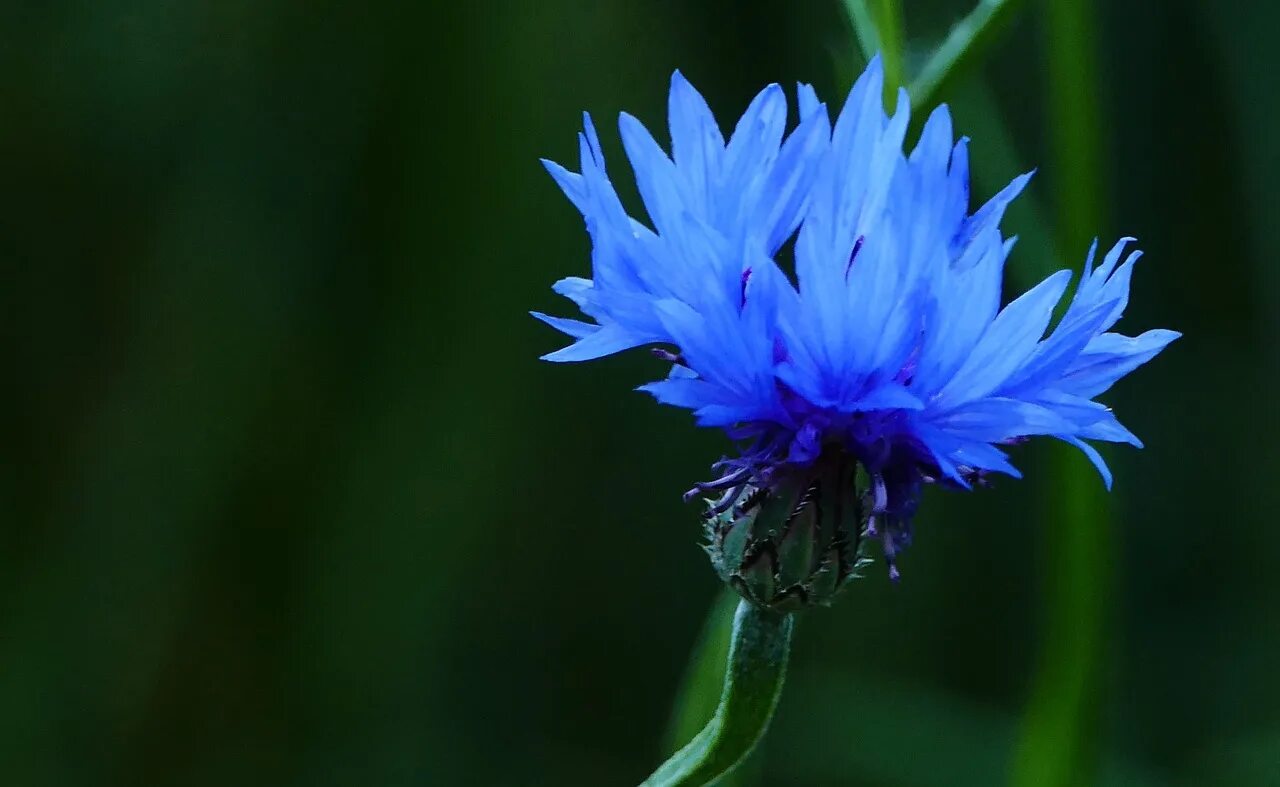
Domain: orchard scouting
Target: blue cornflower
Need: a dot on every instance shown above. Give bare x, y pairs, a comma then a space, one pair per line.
888, 362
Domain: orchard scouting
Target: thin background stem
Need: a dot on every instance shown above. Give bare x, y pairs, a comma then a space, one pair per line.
864, 27
888, 19
963, 46
1057, 741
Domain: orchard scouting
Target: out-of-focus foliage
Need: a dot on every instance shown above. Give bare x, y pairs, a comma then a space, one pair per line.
286, 497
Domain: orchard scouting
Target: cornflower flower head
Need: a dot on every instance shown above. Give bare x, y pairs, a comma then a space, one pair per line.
884, 363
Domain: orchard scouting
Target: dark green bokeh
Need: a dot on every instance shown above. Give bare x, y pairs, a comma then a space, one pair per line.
286, 497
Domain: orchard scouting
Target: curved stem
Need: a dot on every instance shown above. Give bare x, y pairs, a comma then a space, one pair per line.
758, 651
703, 682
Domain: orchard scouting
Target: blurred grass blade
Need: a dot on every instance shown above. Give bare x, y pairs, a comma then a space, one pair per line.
1057, 740
864, 27
889, 26
759, 646
977, 111
1054, 742
878, 28
963, 46
996, 161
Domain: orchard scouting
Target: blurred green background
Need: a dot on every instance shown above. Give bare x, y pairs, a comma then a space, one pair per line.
287, 498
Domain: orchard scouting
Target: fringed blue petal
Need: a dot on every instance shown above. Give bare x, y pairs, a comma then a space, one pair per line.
891, 344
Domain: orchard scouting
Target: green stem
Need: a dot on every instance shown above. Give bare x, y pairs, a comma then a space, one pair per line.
864, 27
963, 45
1058, 734
880, 29
758, 651
888, 16
977, 111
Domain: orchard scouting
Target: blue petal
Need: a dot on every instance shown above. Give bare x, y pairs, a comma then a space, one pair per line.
786, 191
889, 396
608, 340
966, 298
1054, 354
989, 215
1110, 284
1081, 412
592, 140
1094, 457
726, 415
1110, 430
682, 392
655, 174
755, 140
696, 141
933, 151
1006, 344
951, 454
575, 288
570, 183
863, 108
996, 419
982, 456
1111, 356
714, 354
957, 204
808, 101
885, 159
897, 306
575, 328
